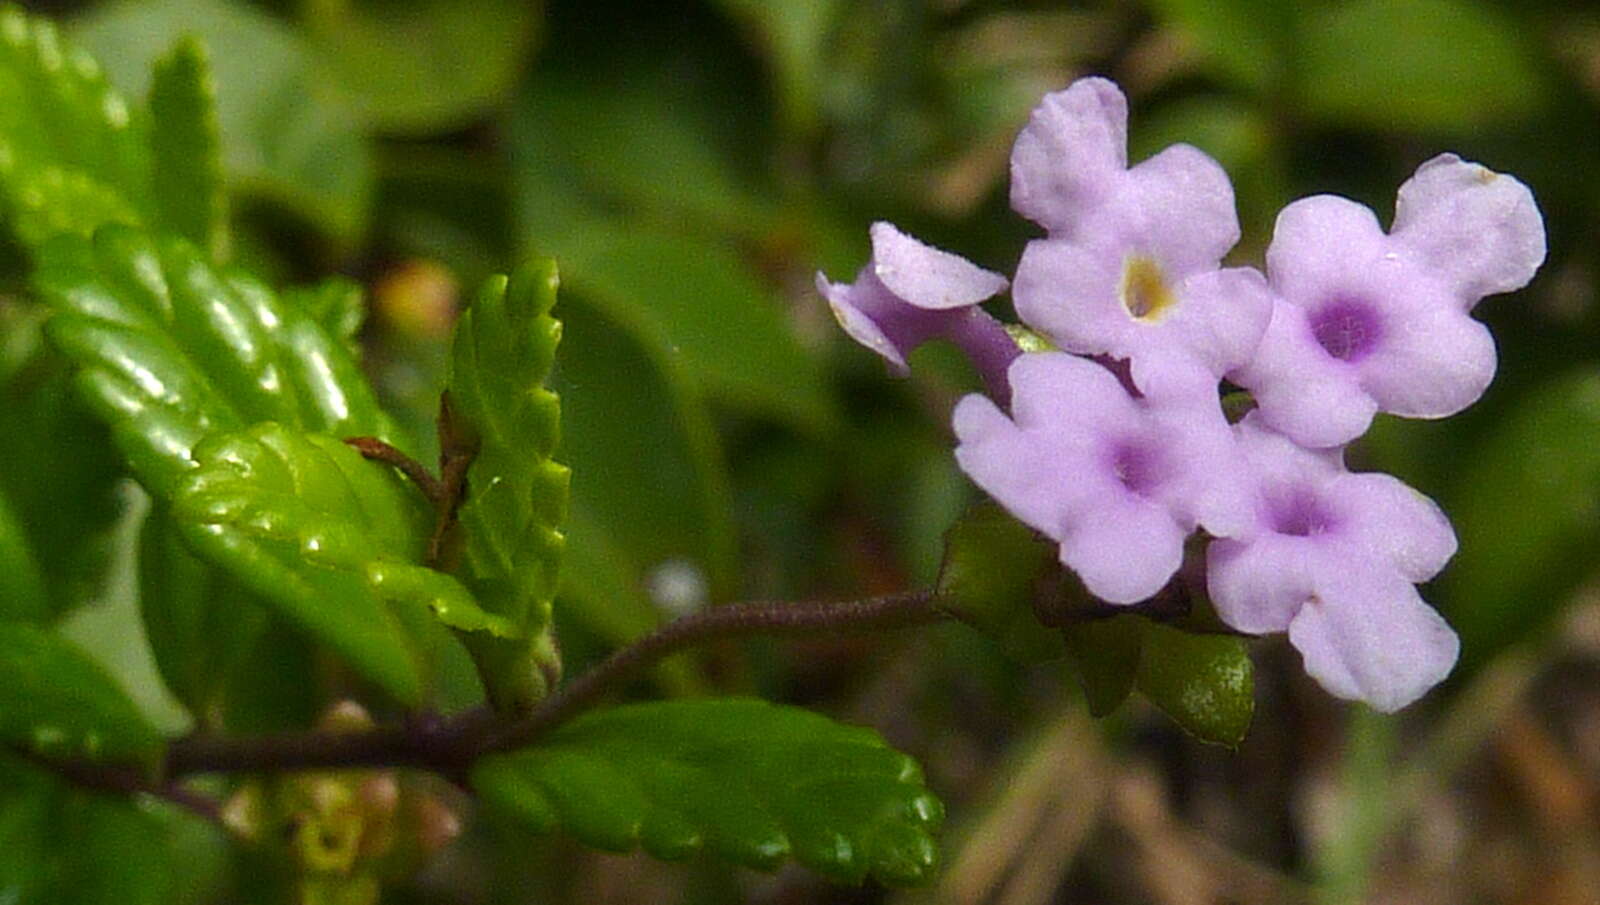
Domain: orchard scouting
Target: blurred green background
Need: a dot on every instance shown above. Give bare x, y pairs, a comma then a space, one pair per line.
691, 165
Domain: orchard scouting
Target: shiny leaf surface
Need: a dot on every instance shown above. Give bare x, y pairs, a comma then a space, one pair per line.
330, 540
170, 350
744, 780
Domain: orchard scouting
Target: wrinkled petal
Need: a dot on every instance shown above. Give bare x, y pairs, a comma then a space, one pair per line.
1258, 586
1366, 635
927, 277
1127, 553
1068, 292
1319, 244
1437, 362
1476, 228
1075, 141
1222, 315
1301, 391
1394, 524
1177, 206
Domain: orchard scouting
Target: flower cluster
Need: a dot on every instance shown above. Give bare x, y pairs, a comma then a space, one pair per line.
1116, 446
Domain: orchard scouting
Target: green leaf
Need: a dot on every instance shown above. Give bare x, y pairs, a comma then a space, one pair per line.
22, 589
212, 640
1105, 653
186, 148
338, 305
649, 486
1248, 40
426, 66
698, 301
329, 539
57, 702
120, 852
1416, 65
72, 152
286, 137
1524, 504
744, 780
503, 349
990, 577
170, 351
793, 35
1203, 682
625, 135
59, 480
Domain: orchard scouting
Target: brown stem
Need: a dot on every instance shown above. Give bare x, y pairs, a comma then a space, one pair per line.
450, 745
124, 780
379, 451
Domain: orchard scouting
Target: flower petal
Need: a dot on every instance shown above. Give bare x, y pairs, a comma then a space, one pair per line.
1259, 585
1476, 228
859, 325
1127, 552
1319, 244
1054, 389
1221, 316
1178, 207
1017, 469
1367, 635
927, 277
1068, 292
1395, 524
1435, 362
1300, 390
1064, 160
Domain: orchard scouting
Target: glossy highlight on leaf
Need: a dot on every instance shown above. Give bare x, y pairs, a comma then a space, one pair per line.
744, 780
170, 350
331, 540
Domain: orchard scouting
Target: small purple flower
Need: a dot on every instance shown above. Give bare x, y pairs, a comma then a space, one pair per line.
910, 293
1131, 265
1333, 558
1364, 322
1119, 482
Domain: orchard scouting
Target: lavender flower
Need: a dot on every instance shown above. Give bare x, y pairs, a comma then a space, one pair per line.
1119, 482
1332, 558
1365, 322
910, 293
1131, 265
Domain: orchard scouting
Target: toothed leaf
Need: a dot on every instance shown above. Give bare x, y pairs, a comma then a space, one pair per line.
331, 541
503, 349
743, 780
170, 350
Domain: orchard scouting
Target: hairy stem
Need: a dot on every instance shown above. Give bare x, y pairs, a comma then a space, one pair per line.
450, 745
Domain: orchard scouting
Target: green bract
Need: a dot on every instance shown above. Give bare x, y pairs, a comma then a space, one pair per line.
744, 780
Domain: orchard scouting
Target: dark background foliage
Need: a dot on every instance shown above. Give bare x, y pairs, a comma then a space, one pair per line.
691, 165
